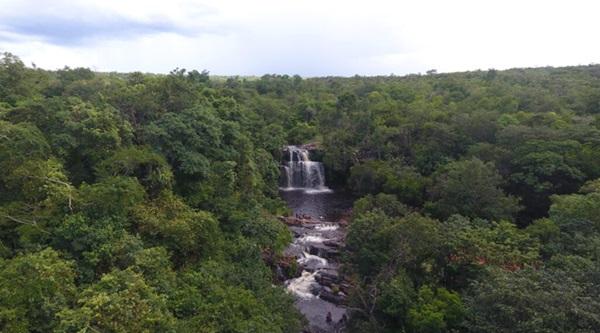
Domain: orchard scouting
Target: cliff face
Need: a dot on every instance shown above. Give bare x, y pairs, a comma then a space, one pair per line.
311, 146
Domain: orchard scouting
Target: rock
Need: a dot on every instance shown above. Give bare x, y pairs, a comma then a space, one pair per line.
288, 268
291, 221
310, 146
343, 222
327, 276
329, 295
314, 250
316, 289
333, 243
345, 287
323, 251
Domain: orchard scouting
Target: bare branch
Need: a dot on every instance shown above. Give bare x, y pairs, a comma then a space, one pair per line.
57, 181
22, 221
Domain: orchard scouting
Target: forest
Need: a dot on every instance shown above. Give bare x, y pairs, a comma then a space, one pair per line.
137, 202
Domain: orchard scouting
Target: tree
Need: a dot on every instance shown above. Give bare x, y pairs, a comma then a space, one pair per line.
40, 195
392, 177
98, 244
34, 287
14, 75
169, 222
473, 245
542, 168
150, 168
470, 188
387, 203
577, 217
112, 196
437, 310
378, 243
18, 143
534, 300
120, 302
189, 139
208, 304
397, 297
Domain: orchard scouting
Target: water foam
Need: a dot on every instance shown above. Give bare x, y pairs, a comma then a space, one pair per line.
302, 285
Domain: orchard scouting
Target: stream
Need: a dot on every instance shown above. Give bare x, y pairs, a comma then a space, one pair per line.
319, 230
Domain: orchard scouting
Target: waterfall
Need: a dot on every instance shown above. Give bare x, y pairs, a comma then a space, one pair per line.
300, 173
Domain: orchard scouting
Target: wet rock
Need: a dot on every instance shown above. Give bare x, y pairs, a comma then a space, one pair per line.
314, 250
345, 287
330, 295
323, 251
310, 146
287, 268
327, 278
291, 221
333, 243
316, 289
334, 281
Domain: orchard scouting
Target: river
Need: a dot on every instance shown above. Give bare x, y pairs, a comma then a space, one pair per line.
318, 238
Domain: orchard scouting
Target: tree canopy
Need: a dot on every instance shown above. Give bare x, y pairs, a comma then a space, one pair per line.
148, 203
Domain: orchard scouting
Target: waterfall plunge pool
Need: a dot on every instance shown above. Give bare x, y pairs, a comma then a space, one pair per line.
303, 188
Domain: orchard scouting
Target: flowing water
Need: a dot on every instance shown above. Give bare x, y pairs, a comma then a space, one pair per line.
318, 238
300, 173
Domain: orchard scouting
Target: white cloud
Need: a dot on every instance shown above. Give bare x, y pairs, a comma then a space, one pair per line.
308, 37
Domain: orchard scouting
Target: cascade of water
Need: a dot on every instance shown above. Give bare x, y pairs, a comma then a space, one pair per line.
302, 173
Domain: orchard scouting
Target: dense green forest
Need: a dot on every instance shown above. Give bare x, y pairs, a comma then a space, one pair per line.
147, 203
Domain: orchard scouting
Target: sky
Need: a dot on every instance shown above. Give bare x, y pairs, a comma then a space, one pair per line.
305, 37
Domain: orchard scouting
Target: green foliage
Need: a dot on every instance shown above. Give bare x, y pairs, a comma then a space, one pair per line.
268, 233
111, 196
150, 168
154, 264
39, 194
470, 188
121, 301
436, 310
139, 179
368, 241
161, 190
169, 222
14, 78
392, 177
397, 296
388, 203
33, 289
577, 212
590, 186
18, 143
577, 217
189, 139
534, 300
474, 245
543, 168
97, 244
552, 241
207, 304
377, 242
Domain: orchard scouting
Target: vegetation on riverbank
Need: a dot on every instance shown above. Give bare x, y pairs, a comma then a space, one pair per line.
137, 202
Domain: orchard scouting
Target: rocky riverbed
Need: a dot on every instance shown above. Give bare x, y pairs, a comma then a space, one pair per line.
318, 227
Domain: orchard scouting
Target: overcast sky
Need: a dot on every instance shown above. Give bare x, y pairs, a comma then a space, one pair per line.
306, 37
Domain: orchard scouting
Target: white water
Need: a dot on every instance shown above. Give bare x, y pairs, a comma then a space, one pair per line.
327, 227
311, 239
301, 286
303, 186
310, 259
303, 174
305, 287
